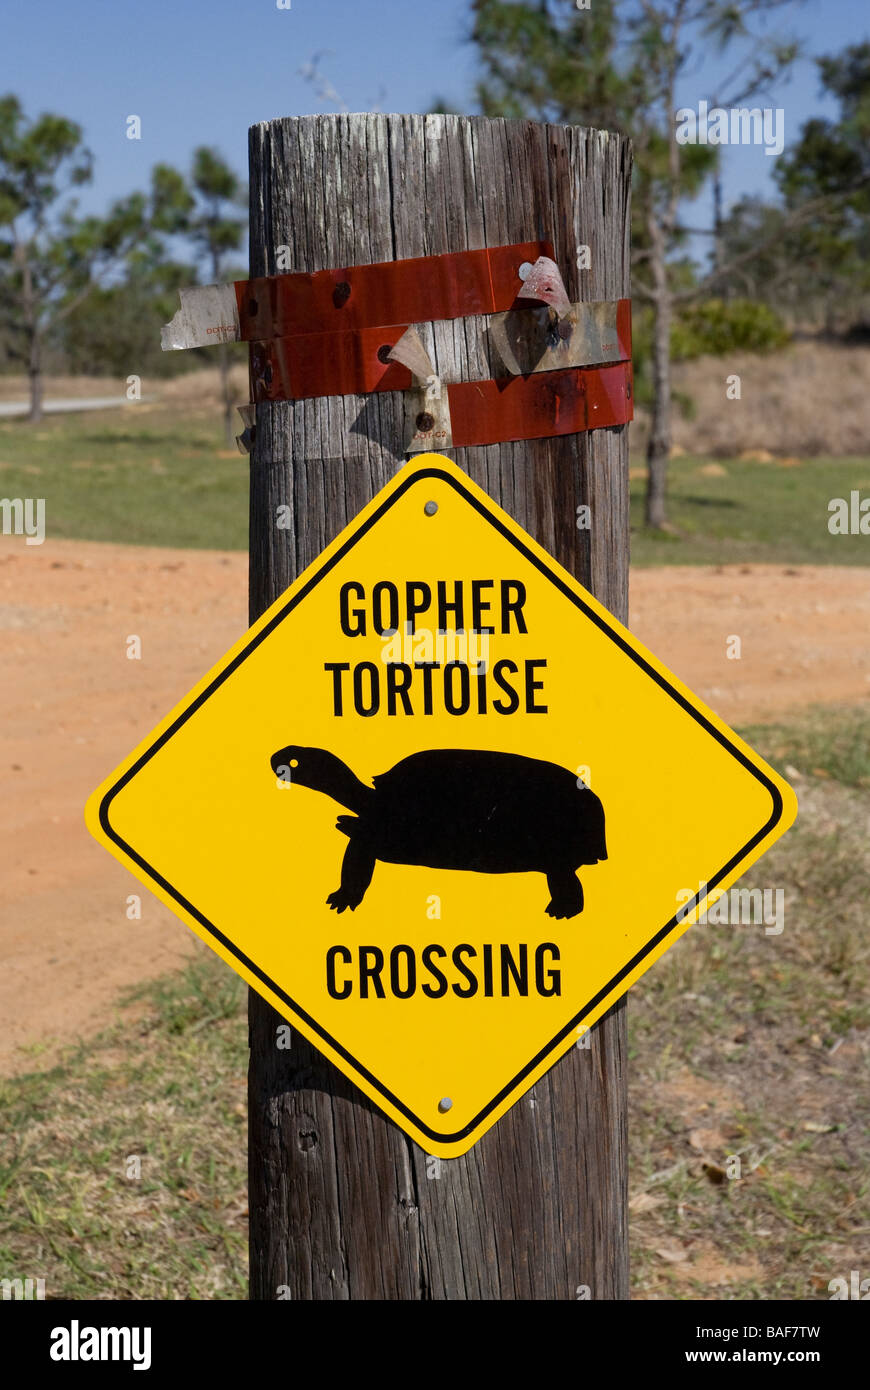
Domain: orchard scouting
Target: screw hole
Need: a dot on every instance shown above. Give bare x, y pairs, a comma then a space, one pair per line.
341, 294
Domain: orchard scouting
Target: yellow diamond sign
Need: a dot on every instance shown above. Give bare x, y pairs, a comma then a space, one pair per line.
439, 807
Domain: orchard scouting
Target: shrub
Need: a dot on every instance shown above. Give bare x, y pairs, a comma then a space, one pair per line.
718, 326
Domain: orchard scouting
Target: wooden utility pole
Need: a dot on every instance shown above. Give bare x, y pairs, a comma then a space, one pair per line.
342, 1204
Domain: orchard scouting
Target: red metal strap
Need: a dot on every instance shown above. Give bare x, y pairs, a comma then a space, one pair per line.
345, 364
358, 297
537, 406
327, 364
540, 405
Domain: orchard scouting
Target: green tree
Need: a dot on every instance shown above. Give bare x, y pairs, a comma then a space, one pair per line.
50, 257
833, 156
207, 210
810, 251
116, 329
618, 65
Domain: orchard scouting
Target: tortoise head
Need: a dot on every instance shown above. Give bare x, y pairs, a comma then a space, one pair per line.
309, 767
319, 770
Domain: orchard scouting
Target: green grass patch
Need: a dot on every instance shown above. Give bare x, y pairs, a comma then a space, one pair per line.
141, 475
747, 1056
123, 1168
821, 744
757, 513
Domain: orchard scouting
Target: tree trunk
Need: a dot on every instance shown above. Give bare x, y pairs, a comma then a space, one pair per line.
717, 217
34, 336
659, 443
35, 377
342, 1204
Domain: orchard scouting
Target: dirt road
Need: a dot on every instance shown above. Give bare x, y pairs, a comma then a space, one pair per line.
74, 704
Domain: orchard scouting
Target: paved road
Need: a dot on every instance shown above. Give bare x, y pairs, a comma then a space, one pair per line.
57, 407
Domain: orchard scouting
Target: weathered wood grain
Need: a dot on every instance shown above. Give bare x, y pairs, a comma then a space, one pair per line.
340, 1202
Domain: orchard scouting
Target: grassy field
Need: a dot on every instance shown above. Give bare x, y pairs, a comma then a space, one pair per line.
164, 1085
160, 474
754, 1047
748, 1055
735, 510
144, 475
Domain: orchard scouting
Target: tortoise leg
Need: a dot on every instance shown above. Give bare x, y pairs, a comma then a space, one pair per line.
566, 893
357, 868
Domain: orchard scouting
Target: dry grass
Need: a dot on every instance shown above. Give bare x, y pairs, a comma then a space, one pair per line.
16, 388
808, 400
201, 387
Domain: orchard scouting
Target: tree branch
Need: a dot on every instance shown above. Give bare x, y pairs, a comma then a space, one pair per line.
791, 221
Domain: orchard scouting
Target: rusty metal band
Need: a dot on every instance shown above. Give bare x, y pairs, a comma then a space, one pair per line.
417, 290
345, 364
327, 364
540, 406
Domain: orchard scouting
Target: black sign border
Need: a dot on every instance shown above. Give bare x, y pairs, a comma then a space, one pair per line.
418, 475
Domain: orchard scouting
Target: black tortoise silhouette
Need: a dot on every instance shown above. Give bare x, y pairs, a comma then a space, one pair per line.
448, 808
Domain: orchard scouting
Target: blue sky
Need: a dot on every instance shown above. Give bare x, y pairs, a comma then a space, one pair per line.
202, 71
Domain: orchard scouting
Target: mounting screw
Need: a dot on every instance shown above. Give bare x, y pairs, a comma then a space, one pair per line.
253, 306
430, 508
425, 421
384, 353
525, 270
445, 1104
341, 294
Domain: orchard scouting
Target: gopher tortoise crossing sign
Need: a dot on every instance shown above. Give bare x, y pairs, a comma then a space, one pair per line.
439, 807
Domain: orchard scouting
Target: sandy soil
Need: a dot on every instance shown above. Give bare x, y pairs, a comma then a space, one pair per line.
74, 705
